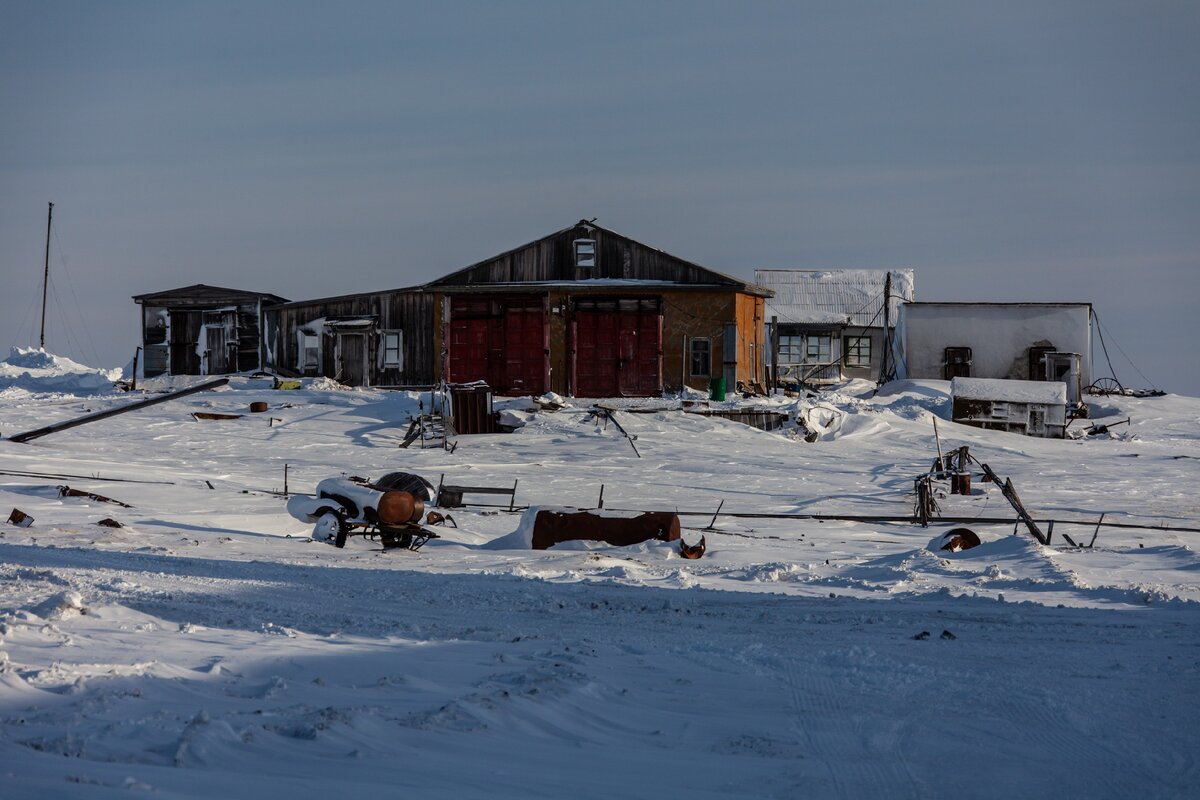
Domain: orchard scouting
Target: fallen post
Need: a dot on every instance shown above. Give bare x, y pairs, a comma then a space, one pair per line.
1010, 494
62, 426
57, 477
67, 491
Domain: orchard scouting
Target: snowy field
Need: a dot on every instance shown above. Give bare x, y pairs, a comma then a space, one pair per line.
211, 648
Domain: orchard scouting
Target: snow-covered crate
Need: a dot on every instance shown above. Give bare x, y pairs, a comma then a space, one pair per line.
1033, 408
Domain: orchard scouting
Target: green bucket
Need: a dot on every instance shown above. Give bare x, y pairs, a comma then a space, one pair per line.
716, 389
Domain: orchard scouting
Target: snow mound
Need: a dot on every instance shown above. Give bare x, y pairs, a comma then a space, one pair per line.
33, 370
61, 606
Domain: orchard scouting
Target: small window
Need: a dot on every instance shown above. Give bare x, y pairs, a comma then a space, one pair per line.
858, 351
393, 357
958, 363
701, 358
1000, 410
585, 255
310, 352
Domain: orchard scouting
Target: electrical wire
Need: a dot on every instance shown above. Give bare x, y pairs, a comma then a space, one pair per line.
1099, 326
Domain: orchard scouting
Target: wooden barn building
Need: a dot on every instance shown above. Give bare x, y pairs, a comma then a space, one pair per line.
202, 330
382, 339
587, 312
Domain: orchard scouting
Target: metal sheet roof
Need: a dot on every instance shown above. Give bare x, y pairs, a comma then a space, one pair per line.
832, 296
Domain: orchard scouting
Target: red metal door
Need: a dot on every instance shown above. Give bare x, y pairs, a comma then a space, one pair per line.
468, 350
618, 348
596, 354
524, 350
649, 354
501, 340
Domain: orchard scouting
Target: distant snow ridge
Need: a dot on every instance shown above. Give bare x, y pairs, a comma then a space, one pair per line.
37, 371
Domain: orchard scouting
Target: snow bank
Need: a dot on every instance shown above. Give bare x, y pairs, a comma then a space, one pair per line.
33, 370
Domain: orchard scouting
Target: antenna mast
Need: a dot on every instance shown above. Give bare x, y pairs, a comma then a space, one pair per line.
46, 277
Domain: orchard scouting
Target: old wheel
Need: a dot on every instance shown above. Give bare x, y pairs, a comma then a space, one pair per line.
331, 527
1106, 386
407, 482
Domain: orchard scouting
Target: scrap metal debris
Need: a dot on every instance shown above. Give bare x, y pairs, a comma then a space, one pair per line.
209, 415
552, 527
346, 507
691, 550
436, 518
109, 522
19, 518
67, 491
958, 539
608, 414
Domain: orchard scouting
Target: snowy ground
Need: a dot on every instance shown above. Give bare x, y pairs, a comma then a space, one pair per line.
209, 647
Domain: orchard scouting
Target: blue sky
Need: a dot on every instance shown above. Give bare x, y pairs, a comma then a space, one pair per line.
1005, 151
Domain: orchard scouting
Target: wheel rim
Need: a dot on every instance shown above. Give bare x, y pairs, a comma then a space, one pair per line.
327, 527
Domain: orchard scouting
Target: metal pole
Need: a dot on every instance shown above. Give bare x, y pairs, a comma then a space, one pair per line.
62, 426
46, 277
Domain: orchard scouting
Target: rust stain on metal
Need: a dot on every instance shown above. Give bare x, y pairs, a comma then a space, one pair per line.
258, 407
399, 508
553, 527
19, 518
959, 539
209, 415
691, 550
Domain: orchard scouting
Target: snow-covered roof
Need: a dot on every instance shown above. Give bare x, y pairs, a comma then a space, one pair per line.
1009, 391
833, 296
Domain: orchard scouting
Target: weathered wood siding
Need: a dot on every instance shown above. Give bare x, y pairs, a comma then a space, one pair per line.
410, 312
553, 259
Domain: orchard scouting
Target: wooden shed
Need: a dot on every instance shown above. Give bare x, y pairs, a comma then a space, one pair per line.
202, 330
588, 312
380, 339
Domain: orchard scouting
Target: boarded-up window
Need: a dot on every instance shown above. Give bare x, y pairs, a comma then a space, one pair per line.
858, 351
701, 350
393, 357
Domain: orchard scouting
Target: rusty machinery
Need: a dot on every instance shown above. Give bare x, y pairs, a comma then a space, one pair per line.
354, 506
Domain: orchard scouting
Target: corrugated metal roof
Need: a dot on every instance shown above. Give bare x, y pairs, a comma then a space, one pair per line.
831, 296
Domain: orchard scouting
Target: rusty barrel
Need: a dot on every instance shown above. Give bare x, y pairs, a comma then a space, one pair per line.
552, 527
399, 508
258, 407
960, 483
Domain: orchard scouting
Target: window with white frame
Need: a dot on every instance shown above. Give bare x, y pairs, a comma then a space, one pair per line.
585, 257
392, 346
858, 351
308, 357
791, 349
818, 348
701, 350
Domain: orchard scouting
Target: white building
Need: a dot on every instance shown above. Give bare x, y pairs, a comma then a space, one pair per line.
830, 323
994, 340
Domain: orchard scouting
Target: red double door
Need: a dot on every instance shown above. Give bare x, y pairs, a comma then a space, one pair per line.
617, 348
504, 341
